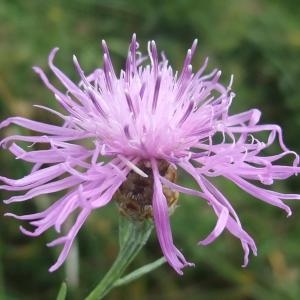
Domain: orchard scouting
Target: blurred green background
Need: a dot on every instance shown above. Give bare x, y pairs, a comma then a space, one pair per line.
257, 41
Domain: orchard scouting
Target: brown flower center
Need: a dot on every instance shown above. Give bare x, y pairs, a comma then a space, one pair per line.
134, 196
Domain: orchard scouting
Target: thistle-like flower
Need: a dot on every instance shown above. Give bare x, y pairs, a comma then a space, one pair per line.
126, 135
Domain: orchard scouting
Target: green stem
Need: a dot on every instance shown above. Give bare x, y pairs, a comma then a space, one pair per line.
134, 236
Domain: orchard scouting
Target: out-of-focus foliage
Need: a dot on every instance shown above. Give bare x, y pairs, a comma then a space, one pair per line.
256, 40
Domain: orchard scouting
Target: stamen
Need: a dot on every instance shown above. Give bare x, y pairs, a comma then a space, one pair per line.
187, 61
131, 66
132, 48
133, 167
130, 103
153, 56
187, 113
128, 68
80, 71
230, 83
107, 72
109, 62
142, 90
185, 82
96, 102
201, 70
156, 92
216, 77
126, 131
194, 46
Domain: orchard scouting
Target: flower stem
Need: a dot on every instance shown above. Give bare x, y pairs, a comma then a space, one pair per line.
133, 238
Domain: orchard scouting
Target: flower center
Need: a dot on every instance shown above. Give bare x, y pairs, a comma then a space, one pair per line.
134, 196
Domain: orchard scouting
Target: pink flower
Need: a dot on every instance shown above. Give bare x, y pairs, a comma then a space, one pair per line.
147, 114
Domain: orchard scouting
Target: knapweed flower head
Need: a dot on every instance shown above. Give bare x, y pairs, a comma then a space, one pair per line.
126, 135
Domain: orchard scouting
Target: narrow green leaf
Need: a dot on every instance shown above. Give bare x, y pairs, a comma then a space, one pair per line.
140, 272
62, 292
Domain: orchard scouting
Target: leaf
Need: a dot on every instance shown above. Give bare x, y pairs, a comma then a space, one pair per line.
140, 272
62, 292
